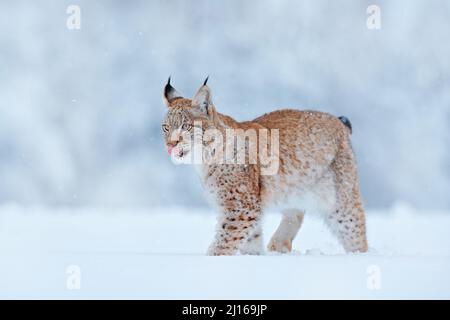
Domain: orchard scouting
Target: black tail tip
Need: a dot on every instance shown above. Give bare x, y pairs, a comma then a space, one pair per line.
346, 122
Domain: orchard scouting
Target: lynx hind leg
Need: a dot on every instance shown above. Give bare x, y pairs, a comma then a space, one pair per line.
348, 224
347, 221
287, 230
253, 245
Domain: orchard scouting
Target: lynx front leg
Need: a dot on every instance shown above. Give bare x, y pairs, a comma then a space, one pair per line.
237, 231
254, 243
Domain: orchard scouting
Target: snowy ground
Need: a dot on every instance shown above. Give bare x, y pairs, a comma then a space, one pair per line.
159, 253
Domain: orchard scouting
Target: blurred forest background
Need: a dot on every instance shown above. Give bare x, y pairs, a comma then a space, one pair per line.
80, 110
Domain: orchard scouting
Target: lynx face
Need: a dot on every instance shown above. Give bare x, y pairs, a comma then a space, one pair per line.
185, 118
178, 130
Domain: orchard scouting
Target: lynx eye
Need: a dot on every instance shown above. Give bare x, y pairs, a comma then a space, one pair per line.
165, 128
186, 126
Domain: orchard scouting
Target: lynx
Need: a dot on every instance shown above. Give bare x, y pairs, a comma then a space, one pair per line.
316, 174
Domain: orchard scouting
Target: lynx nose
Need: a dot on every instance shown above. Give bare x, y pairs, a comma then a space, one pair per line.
173, 143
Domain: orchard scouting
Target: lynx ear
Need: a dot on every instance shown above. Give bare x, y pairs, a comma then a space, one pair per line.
170, 93
202, 98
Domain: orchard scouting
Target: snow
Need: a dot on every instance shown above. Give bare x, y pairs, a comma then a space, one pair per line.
159, 253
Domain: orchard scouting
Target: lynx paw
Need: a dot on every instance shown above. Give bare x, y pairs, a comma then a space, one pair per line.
215, 250
280, 245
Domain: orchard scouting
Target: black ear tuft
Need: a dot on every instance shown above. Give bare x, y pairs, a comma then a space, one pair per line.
206, 80
170, 93
168, 88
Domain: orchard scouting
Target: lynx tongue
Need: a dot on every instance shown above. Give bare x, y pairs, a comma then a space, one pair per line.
169, 149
